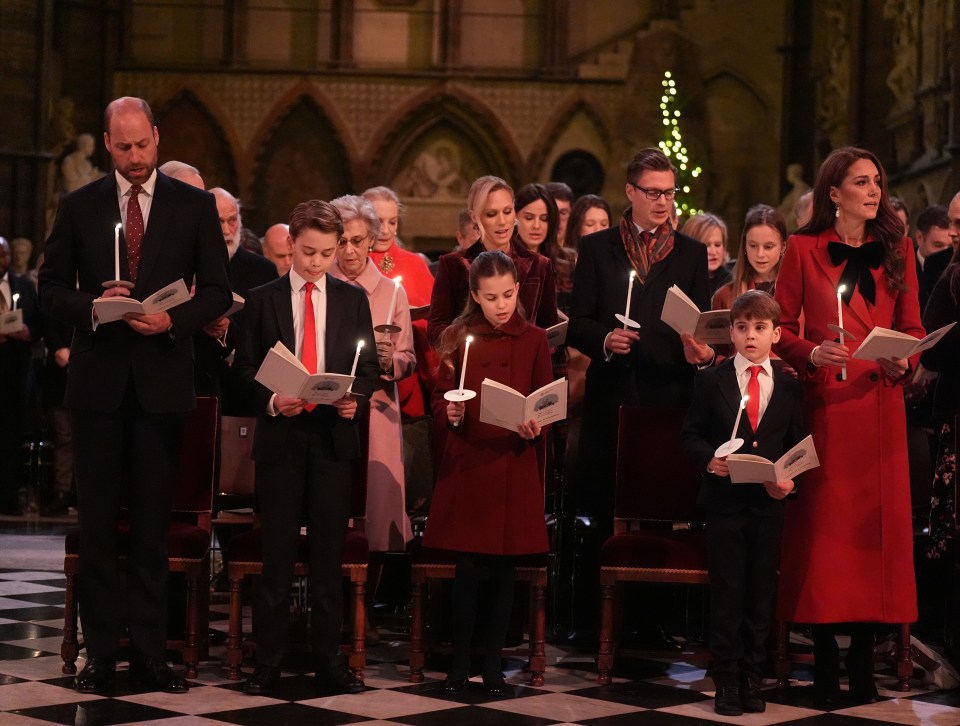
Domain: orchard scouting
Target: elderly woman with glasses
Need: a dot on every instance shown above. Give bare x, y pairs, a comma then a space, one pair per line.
387, 525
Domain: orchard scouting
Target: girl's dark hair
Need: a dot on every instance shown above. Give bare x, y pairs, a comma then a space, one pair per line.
579, 210
886, 227
487, 264
560, 258
759, 215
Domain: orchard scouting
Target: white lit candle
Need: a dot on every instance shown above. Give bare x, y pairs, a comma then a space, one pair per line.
463, 366
626, 314
16, 296
393, 300
356, 359
736, 424
116, 252
840, 290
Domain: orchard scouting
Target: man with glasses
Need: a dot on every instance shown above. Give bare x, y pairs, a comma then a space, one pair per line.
649, 365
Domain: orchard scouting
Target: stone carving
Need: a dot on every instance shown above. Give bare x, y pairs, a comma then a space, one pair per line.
798, 187
76, 169
833, 90
902, 78
435, 174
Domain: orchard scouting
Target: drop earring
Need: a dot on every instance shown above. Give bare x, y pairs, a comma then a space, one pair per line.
837, 215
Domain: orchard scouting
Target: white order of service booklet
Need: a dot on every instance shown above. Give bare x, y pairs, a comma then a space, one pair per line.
503, 406
682, 314
886, 343
750, 469
11, 321
283, 374
109, 309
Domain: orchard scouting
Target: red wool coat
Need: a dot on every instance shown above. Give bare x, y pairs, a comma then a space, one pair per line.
489, 492
847, 539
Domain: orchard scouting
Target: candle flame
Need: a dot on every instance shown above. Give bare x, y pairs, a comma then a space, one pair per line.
360, 343
118, 227
633, 274
743, 401
397, 279
469, 338
16, 296
842, 288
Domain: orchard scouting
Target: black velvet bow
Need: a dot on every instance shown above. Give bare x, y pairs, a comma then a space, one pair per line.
859, 261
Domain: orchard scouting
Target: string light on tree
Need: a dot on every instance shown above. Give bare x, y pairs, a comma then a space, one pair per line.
672, 145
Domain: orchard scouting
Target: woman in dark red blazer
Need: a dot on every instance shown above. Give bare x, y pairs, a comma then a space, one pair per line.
488, 503
490, 201
848, 545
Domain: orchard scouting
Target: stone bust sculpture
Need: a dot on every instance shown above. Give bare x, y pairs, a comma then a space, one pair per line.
76, 168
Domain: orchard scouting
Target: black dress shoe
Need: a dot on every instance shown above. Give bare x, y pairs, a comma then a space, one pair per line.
727, 701
154, 673
494, 685
263, 681
863, 693
96, 676
751, 698
453, 685
337, 680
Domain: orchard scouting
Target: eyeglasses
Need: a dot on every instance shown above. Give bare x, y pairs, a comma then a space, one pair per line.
354, 241
654, 194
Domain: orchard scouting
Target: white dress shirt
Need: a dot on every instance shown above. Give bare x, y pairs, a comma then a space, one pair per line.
144, 198
765, 379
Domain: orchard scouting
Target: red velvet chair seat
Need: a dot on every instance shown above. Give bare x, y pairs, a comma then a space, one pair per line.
184, 541
656, 549
248, 547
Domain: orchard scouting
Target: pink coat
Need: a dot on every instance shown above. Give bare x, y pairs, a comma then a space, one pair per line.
387, 526
847, 538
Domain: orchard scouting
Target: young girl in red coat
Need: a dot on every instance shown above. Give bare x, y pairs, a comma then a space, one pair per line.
488, 501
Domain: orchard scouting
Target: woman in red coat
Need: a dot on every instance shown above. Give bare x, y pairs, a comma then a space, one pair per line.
488, 501
848, 545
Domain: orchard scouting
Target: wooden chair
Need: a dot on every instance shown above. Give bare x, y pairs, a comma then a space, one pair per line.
188, 542
428, 564
246, 559
656, 536
784, 658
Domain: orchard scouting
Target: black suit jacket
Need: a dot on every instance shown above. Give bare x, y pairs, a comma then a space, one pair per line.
933, 267
15, 355
710, 418
269, 319
182, 241
655, 371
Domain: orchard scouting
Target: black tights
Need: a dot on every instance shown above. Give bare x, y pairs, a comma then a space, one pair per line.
859, 660
470, 568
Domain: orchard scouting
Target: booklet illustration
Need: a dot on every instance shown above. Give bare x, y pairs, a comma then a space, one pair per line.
11, 321
503, 406
682, 314
557, 334
109, 309
886, 343
283, 374
750, 469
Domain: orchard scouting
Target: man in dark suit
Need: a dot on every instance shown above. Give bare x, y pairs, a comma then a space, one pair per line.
245, 270
130, 382
305, 454
934, 248
744, 521
15, 350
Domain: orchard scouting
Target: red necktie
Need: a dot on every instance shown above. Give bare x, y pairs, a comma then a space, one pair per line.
308, 354
753, 390
134, 232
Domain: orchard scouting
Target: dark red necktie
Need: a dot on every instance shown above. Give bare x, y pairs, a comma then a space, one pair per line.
308, 354
753, 391
134, 232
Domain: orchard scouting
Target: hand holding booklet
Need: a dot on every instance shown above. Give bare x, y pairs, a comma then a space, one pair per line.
682, 314
283, 374
503, 406
11, 321
885, 343
109, 309
750, 469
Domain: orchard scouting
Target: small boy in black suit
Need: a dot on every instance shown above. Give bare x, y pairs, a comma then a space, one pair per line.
744, 522
304, 454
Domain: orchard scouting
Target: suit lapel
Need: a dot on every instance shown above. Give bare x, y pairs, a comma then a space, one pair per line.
156, 230
109, 216
729, 388
283, 311
332, 343
773, 405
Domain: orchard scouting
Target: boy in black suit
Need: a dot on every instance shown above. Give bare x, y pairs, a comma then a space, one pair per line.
304, 454
744, 521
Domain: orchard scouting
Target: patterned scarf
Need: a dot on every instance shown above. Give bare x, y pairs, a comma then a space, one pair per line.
645, 253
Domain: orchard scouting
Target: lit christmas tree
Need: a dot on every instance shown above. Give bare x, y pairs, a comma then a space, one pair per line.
672, 146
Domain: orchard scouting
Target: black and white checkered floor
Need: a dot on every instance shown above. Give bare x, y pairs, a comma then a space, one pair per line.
671, 692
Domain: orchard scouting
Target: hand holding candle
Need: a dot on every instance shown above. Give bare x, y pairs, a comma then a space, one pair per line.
459, 395
463, 366
356, 359
840, 291
393, 300
626, 314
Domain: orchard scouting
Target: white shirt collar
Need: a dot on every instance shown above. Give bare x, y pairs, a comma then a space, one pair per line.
297, 282
147, 187
742, 365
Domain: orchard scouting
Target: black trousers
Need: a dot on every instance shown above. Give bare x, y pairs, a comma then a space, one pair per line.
305, 485
743, 555
129, 457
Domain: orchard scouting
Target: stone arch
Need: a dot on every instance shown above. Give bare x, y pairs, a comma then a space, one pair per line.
549, 146
193, 132
744, 164
300, 155
450, 115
